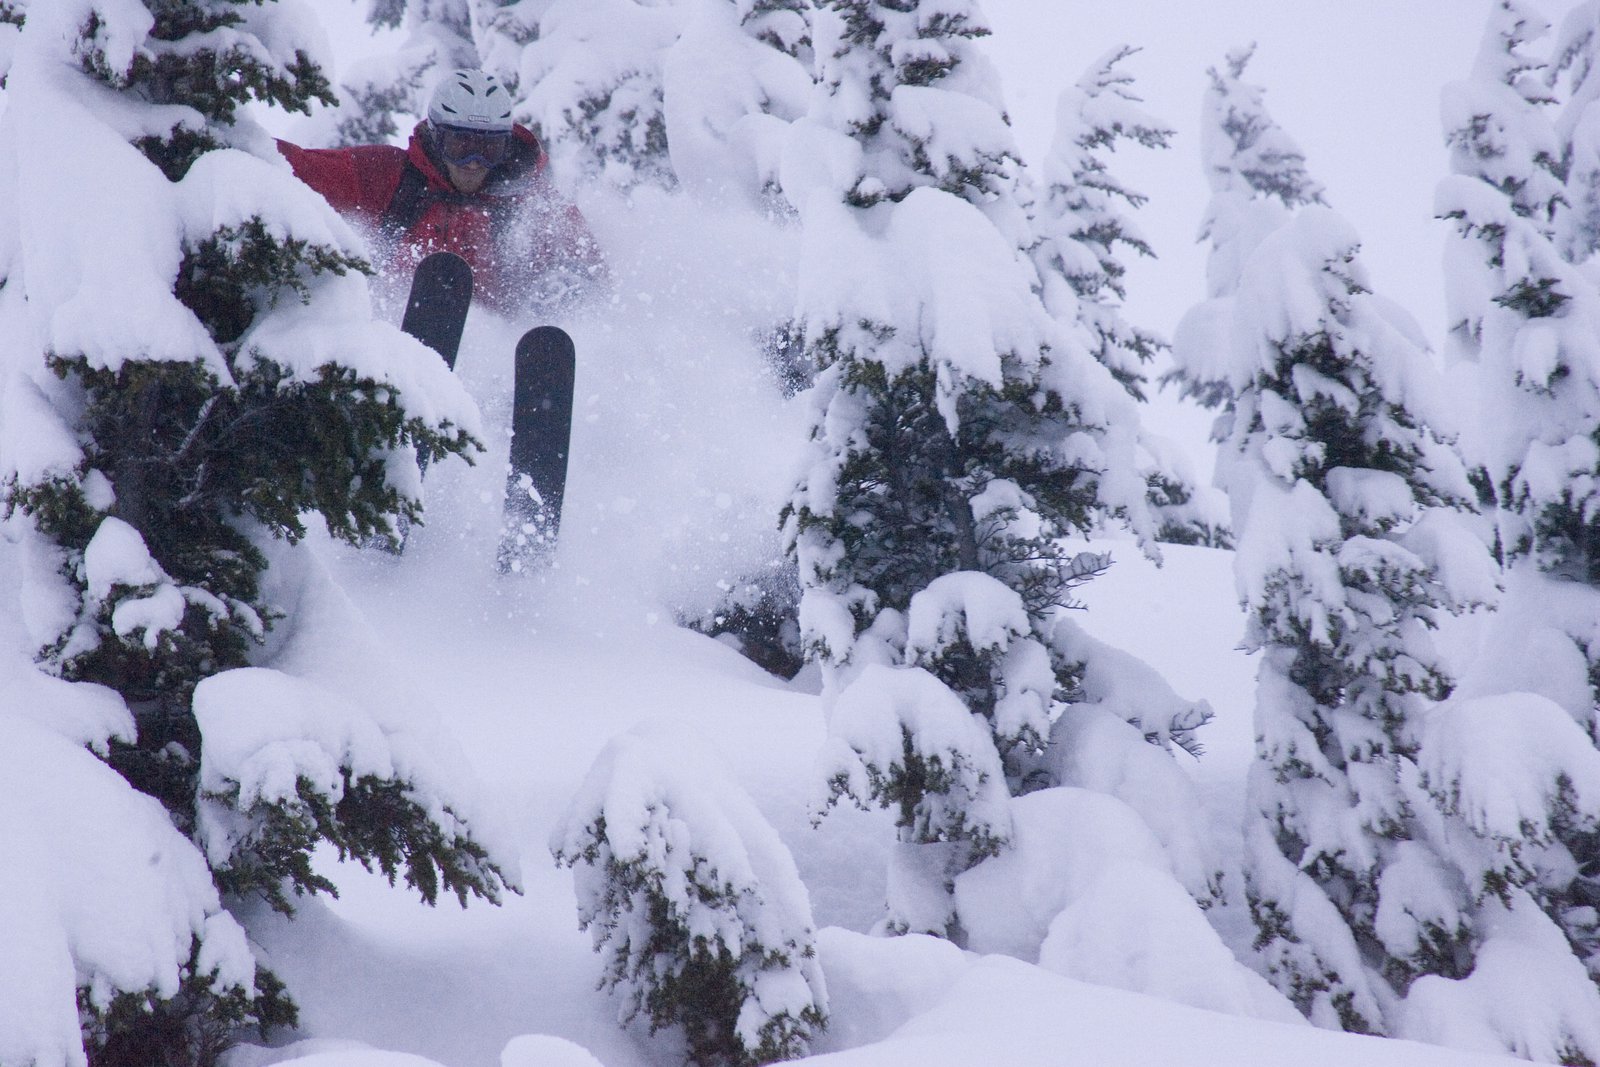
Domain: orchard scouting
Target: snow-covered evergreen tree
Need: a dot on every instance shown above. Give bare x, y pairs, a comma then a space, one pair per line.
1083, 215
893, 75
1083, 225
1521, 309
1507, 186
589, 77
1248, 158
1525, 321
959, 432
1387, 889
382, 95
1258, 177
732, 84
1522, 315
191, 369
1341, 490
1578, 130
695, 903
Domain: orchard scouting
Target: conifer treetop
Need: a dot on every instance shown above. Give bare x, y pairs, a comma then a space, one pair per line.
905, 81
1496, 123
1246, 151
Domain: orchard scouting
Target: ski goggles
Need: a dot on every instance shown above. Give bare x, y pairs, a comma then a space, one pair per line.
462, 147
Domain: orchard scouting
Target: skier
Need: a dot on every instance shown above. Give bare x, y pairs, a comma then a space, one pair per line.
471, 182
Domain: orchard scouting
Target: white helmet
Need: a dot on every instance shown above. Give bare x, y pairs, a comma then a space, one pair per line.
471, 100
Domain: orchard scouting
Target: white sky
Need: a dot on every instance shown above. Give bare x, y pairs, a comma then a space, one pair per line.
1356, 82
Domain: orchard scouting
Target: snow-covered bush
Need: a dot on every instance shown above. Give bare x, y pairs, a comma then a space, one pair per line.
694, 902
1117, 733
1114, 681
900, 739
782, 24
1087, 891
758, 614
191, 368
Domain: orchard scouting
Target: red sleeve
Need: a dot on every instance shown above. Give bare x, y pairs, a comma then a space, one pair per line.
358, 181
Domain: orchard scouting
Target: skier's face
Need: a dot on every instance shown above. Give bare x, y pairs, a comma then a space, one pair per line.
469, 154
467, 178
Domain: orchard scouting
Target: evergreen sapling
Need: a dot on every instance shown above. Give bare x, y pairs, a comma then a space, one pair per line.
695, 904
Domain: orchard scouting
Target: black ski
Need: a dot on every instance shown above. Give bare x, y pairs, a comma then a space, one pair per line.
436, 313
436, 310
541, 433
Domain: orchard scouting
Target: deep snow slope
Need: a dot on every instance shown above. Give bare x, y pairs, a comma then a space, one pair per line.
534, 675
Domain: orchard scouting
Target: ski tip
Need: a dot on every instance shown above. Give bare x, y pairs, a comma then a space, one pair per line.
441, 261
445, 270
547, 335
546, 342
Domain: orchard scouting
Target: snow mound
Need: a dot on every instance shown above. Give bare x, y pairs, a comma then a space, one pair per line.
1003, 1011
877, 984
1525, 987
541, 1050
1086, 890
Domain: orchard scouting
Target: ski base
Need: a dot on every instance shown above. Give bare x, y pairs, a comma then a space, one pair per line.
436, 310
436, 315
541, 430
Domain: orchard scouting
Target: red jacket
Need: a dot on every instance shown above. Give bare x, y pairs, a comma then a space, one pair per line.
529, 249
